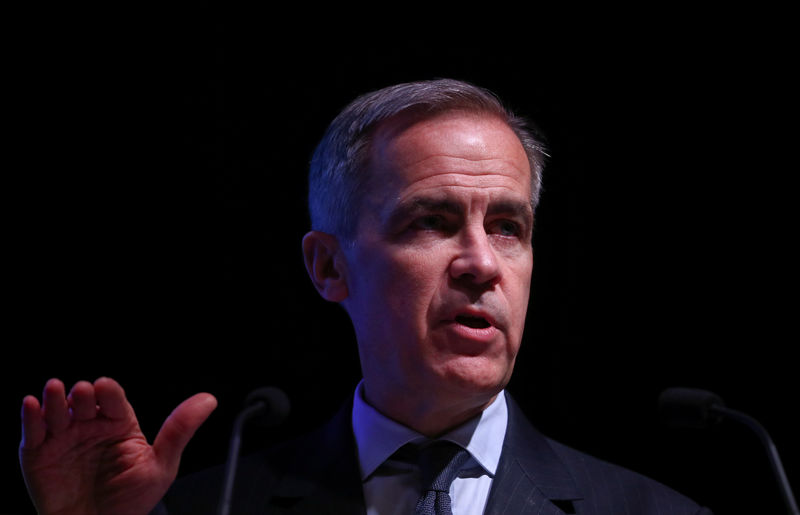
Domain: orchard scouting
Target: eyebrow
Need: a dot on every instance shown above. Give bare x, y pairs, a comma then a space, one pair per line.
416, 206
424, 204
514, 207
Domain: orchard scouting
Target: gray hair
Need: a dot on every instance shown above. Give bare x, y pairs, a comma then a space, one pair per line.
339, 165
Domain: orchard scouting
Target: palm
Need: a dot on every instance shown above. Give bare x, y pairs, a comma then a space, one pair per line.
101, 464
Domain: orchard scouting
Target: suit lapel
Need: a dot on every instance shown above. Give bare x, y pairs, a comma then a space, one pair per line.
530, 478
325, 479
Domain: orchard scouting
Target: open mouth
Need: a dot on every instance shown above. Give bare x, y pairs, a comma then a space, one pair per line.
474, 322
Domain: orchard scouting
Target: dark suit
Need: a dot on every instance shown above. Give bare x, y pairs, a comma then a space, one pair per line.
318, 474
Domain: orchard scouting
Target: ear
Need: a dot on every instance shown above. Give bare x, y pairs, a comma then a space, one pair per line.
325, 265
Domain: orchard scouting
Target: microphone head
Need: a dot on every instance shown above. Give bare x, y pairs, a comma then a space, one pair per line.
689, 407
275, 405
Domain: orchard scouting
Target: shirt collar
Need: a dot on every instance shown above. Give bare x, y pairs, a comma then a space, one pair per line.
378, 437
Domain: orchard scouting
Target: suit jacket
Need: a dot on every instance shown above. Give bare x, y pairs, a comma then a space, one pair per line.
318, 474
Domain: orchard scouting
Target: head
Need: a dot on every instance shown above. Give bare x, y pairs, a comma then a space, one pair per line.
339, 168
434, 263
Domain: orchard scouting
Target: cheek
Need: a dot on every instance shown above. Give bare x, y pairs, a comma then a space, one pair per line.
412, 282
395, 285
519, 296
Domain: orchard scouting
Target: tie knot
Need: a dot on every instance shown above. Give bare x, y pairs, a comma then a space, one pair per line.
439, 464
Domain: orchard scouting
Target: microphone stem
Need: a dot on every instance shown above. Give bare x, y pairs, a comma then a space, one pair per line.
233, 456
772, 452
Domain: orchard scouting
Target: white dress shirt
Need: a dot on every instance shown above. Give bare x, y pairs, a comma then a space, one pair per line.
392, 487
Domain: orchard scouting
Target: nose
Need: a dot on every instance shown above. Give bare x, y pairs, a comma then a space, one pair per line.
475, 261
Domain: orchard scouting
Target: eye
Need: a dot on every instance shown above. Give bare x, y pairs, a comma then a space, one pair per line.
506, 228
429, 223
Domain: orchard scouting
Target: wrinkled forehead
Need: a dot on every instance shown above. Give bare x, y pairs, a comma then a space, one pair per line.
394, 127
449, 149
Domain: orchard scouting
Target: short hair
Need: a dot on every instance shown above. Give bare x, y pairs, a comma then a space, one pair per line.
339, 166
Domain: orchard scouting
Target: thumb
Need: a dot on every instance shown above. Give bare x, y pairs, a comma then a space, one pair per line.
180, 426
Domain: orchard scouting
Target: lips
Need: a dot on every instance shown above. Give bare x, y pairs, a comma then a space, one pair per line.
475, 322
472, 327
471, 317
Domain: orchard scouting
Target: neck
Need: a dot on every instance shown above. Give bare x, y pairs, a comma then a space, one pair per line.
429, 417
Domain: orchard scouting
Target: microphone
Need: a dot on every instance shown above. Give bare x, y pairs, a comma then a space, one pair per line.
690, 407
270, 406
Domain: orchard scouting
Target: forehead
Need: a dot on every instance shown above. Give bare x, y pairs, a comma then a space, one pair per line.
450, 150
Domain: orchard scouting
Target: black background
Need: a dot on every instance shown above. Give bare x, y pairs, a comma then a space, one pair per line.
155, 204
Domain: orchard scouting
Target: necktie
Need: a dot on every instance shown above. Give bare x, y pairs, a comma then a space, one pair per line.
439, 464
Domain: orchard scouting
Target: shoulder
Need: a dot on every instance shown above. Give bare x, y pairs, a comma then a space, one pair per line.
592, 485
609, 488
312, 473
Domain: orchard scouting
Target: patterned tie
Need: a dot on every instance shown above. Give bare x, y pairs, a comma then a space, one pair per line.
439, 464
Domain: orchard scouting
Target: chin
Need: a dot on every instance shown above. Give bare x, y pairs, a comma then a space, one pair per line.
477, 376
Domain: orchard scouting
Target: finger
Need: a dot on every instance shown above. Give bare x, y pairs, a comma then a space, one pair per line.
34, 430
110, 397
180, 426
82, 401
56, 410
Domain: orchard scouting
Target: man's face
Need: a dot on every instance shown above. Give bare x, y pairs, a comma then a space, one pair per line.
439, 274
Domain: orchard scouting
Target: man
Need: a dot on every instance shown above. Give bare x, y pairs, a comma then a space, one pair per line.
422, 200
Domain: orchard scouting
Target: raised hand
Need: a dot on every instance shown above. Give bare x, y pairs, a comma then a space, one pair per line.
84, 453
